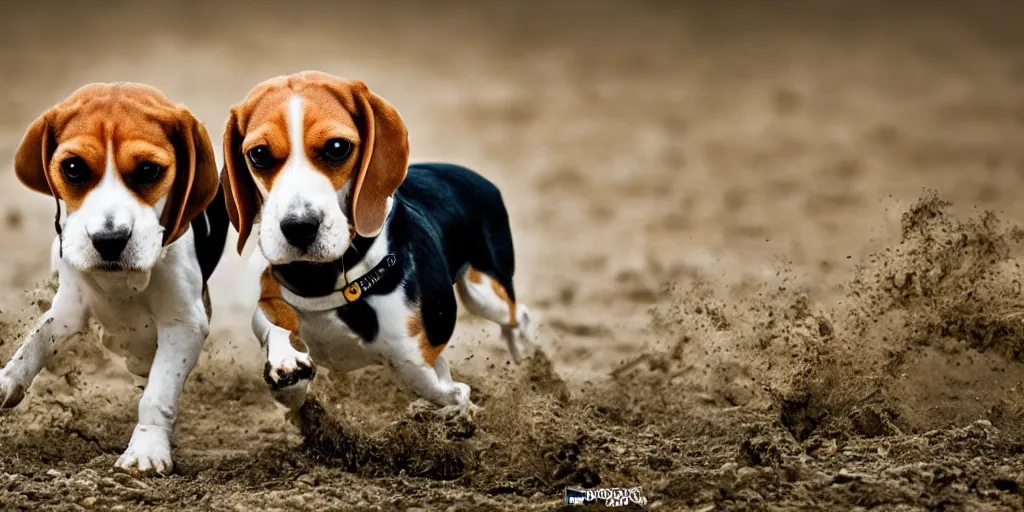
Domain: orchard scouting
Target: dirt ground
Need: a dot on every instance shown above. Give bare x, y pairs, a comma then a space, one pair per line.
758, 235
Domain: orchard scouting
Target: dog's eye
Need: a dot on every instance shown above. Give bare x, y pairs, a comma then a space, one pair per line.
75, 170
261, 158
336, 150
147, 173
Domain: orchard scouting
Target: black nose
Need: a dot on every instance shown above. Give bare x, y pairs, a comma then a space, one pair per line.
300, 231
110, 244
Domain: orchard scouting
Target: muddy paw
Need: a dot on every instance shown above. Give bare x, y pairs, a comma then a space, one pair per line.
11, 392
453, 412
463, 406
289, 371
149, 451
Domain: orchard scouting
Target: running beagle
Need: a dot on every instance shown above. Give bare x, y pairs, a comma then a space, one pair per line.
362, 250
136, 174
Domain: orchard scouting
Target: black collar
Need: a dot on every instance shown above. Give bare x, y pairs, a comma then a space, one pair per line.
306, 281
354, 290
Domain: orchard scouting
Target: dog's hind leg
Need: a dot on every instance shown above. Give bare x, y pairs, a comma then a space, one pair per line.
484, 296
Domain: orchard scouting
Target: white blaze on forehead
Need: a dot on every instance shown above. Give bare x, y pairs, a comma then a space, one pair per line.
299, 181
295, 119
102, 202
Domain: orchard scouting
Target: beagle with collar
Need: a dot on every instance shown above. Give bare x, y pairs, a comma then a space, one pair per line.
145, 228
364, 253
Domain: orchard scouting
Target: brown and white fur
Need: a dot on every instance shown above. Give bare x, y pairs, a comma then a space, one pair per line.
135, 174
315, 208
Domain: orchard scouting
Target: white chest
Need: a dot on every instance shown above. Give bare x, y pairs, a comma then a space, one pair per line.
332, 343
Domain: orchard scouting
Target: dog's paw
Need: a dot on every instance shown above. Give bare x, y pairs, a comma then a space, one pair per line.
149, 451
11, 391
463, 406
288, 369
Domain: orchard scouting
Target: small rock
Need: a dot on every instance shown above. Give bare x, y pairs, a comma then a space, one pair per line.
846, 476
307, 479
53, 473
745, 474
88, 501
127, 481
84, 484
760, 451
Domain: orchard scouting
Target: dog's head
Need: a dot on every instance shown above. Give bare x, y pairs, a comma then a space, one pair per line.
132, 169
317, 158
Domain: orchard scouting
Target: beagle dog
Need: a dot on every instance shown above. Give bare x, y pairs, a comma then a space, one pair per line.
364, 253
145, 228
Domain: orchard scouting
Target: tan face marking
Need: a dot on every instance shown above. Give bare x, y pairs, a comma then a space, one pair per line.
129, 165
323, 119
133, 121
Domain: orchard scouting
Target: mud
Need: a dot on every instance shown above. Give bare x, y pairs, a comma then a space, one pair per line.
774, 250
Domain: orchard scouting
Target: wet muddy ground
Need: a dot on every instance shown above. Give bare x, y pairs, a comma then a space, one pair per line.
772, 246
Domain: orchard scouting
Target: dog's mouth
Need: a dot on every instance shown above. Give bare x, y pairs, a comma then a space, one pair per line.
113, 267
294, 255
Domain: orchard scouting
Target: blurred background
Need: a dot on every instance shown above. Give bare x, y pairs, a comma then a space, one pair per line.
634, 140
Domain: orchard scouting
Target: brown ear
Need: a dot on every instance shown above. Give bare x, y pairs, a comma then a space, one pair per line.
384, 163
239, 189
32, 160
195, 181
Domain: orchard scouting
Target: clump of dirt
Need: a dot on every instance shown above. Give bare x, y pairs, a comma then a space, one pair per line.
415, 446
524, 438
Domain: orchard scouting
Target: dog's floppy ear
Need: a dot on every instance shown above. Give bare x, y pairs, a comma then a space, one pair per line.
239, 188
32, 160
384, 160
195, 180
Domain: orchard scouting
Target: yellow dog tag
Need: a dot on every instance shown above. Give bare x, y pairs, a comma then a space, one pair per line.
352, 292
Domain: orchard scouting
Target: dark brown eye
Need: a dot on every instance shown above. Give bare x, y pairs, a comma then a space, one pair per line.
147, 173
336, 150
261, 158
75, 170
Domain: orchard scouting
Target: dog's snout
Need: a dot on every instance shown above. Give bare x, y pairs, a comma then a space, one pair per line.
300, 231
110, 243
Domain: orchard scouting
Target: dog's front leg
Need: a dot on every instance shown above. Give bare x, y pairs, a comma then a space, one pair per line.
67, 316
289, 369
179, 342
